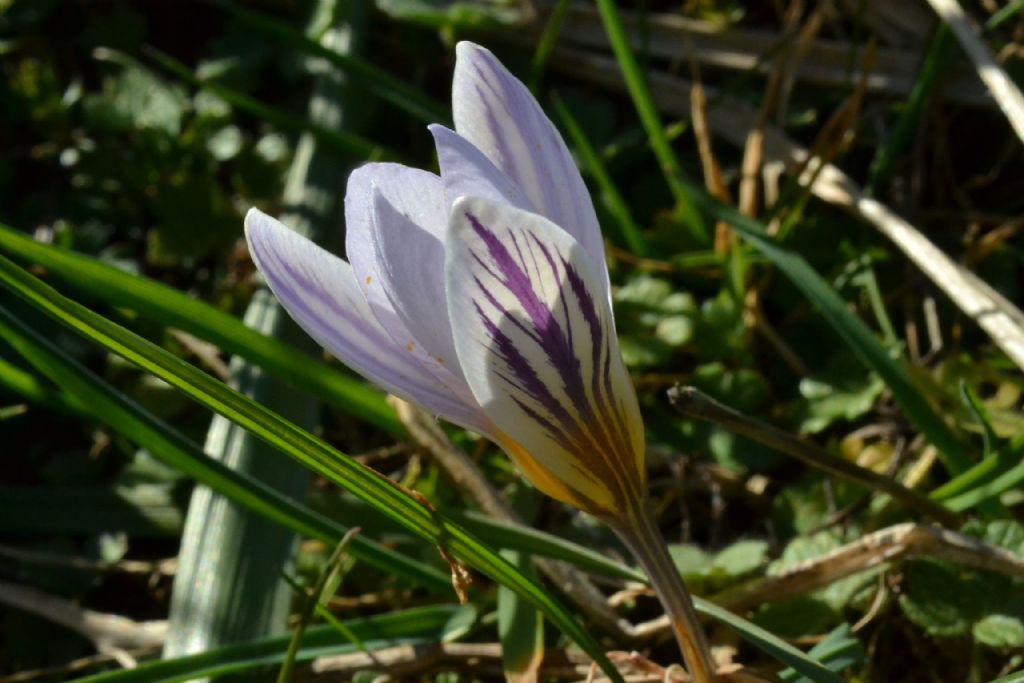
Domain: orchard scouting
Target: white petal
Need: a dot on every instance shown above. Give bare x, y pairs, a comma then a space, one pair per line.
538, 348
319, 291
495, 112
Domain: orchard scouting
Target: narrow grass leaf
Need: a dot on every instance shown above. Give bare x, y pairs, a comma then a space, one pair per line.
160, 303
320, 457
648, 113
420, 625
769, 643
613, 200
129, 419
34, 390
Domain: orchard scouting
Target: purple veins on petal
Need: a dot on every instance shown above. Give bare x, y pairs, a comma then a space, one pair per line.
544, 347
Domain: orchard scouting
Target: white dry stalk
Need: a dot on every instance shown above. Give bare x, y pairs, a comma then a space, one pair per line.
1006, 94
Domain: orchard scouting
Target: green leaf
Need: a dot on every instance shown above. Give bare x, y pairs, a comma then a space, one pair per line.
320, 457
347, 143
842, 392
1000, 631
803, 616
709, 573
135, 99
942, 600
173, 308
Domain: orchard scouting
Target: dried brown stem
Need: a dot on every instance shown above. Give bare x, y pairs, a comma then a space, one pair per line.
899, 542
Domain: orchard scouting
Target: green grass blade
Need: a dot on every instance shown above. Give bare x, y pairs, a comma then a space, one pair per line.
546, 44
425, 624
1009, 11
769, 643
129, 419
648, 113
34, 390
312, 601
613, 201
376, 81
320, 457
160, 303
936, 59
987, 479
851, 329
536, 542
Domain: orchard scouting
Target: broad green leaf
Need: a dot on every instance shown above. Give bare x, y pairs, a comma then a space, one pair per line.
469, 14
1000, 631
174, 308
800, 617
943, 600
320, 457
347, 143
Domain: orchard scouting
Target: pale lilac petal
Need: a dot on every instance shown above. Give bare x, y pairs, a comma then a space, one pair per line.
396, 218
538, 348
320, 292
410, 271
418, 198
495, 112
466, 172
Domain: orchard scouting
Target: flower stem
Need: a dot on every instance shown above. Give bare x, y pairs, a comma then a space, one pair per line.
641, 535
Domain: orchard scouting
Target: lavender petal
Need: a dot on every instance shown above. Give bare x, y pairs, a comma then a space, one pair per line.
319, 291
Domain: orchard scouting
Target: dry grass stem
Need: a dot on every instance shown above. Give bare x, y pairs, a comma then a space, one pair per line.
898, 542
1005, 92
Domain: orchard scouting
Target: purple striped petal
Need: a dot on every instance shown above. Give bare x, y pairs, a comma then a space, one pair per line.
495, 112
319, 291
538, 348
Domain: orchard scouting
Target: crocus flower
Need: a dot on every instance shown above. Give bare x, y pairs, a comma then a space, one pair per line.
482, 295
